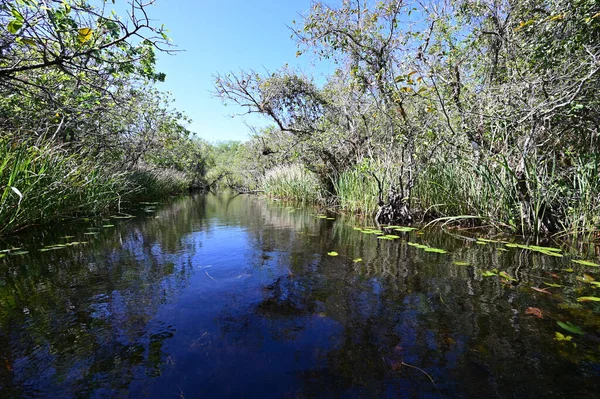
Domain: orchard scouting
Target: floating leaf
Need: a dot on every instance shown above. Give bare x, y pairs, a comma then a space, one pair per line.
417, 245
507, 276
393, 237
486, 240
586, 278
330, 218
542, 290
550, 253
570, 327
585, 262
90, 233
106, 226
541, 248
534, 312
458, 263
489, 273
332, 253
553, 285
357, 260
403, 229
436, 250
588, 299
561, 337
568, 270
125, 216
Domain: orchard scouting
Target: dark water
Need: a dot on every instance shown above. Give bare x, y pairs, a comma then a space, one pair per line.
233, 296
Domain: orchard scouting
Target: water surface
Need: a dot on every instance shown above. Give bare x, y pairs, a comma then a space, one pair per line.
234, 296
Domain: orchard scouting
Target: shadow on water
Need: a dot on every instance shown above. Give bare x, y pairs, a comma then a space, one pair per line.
234, 296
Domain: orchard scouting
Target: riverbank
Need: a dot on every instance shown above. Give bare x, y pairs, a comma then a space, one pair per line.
43, 183
458, 197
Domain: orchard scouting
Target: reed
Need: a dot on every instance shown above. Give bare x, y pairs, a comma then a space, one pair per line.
45, 182
293, 182
356, 192
42, 183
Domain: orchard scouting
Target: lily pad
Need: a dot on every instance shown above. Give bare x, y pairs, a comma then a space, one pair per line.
357, 260
417, 245
588, 299
332, 253
458, 263
553, 285
486, 240
561, 337
122, 216
436, 250
489, 273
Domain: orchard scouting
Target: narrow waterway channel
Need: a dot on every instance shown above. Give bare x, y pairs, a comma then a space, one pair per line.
235, 296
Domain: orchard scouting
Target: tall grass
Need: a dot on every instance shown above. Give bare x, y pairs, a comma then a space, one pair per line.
570, 195
293, 182
156, 183
356, 192
41, 183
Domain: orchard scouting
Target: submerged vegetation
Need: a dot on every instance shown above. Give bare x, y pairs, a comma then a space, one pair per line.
473, 112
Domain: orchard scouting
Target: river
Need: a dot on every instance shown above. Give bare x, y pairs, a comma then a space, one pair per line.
236, 296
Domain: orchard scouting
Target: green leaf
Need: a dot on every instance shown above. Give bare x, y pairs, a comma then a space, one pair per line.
357, 260
561, 337
14, 26
588, 299
436, 250
507, 276
489, 273
585, 262
458, 263
553, 285
332, 253
572, 328
84, 35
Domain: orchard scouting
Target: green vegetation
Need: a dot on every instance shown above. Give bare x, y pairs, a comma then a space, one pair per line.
82, 128
292, 182
465, 112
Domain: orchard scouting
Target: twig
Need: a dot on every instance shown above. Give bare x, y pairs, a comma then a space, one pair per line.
424, 372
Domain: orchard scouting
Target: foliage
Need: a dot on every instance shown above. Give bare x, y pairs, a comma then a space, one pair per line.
292, 182
77, 92
484, 109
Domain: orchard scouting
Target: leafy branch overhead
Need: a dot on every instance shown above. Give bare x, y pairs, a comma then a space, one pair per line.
75, 36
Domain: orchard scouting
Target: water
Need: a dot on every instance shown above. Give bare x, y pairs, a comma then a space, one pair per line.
234, 296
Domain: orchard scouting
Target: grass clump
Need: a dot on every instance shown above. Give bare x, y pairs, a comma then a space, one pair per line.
356, 192
45, 182
41, 183
293, 182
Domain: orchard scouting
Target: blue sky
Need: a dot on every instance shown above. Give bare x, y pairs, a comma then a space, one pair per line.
223, 36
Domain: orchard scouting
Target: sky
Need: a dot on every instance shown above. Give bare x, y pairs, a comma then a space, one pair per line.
221, 36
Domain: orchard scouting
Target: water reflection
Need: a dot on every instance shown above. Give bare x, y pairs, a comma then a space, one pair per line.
232, 296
